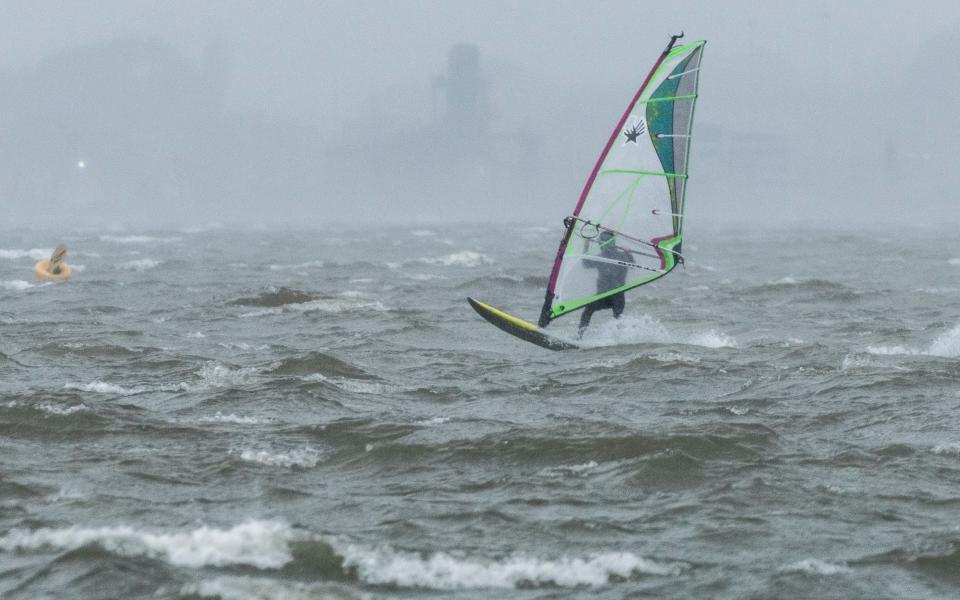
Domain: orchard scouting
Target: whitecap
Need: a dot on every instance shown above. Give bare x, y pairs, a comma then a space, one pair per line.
892, 350
329, 305
137, 239
442, 571
61, 410
261, 544
17, 285
465, 258
232, 418
141, 265
712, 339
34, 253
947, 345
263, 588
433, 421
569, 470
354, 385
313, 264
302, 457
646, 329
784, 281
102, 387
216, 375
815, 566
422, 233
946, 449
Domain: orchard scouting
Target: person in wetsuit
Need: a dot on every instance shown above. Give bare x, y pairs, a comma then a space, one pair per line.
610, 275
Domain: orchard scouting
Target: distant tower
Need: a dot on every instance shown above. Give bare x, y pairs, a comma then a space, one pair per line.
464, 88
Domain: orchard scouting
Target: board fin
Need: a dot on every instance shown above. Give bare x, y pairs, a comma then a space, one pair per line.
519, 328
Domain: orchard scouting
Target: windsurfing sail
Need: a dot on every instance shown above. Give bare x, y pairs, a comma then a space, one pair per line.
627, 227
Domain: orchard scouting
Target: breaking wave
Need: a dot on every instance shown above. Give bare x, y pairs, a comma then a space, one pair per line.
138, 239
17, 285
465, 258
143, 264
261, 544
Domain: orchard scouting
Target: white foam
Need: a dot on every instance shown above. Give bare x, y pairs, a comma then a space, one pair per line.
137, 239
261, 544
262, 588
54, 409
433, 421
313, 264
646, 329
17, 285
712, 339
422, 233
947, 345
354, 385
216, 375
569, 470
102, 387
34, 253
196, 334
232, 418
465, 258
441, 571
140, 265
947, 449
892, 350
815, 566
954, 261
784, 281
675, 357
330, 305
302, 457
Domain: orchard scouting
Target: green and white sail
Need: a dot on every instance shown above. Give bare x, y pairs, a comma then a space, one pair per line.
636, 190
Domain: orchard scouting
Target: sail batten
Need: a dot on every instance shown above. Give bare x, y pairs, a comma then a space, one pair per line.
639, 201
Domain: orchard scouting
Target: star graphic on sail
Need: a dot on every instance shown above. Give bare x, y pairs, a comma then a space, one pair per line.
634, 132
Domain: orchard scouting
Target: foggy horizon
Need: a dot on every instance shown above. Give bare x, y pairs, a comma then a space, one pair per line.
141, 114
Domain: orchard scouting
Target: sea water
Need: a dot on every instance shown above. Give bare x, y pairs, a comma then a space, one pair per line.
241, 414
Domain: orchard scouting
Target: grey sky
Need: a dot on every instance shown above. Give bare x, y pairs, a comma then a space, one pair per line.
833, 82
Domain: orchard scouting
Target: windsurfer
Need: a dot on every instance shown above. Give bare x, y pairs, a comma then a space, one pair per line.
56, 262
611, 274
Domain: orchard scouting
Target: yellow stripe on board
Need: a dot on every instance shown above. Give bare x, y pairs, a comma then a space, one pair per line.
518, 322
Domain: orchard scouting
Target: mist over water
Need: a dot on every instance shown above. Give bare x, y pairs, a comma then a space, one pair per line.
174, 113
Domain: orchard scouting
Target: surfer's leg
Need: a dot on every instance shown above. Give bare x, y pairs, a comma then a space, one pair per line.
585, 319
617, 303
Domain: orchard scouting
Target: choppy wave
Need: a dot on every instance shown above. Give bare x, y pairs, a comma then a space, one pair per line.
326, 305
102, 387
274, 297
299, 457
952, 449
51, 408
232, 418
312, 264
138, 239
261, 544
34, 253
17, 285
646, 329
464, 258
262, 588
815, 566
442, 571
142, 264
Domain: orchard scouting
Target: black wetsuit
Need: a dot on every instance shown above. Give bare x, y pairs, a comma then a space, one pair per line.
609, 276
